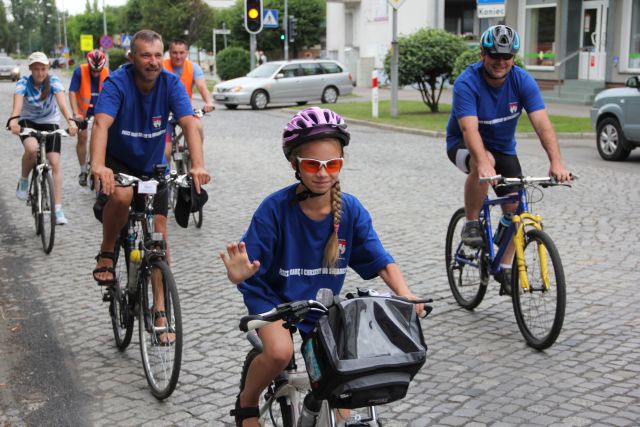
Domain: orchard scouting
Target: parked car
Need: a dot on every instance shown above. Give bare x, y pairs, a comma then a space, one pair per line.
298, 81
9, 68
615, 118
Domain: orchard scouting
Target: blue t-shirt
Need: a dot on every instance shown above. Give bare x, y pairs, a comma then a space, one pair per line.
95, 87
42, 112
290, 248
137, 135
497, 109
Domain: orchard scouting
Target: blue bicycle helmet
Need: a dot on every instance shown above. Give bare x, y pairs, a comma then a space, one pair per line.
500, 39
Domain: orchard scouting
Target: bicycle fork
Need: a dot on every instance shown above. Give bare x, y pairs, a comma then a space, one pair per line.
521, 221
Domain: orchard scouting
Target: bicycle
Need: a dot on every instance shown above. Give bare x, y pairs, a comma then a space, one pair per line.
41, 191
538, 289
181, 161
144, 268
289, 394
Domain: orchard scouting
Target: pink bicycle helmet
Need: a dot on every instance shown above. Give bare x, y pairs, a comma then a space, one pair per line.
313, 123
96, 59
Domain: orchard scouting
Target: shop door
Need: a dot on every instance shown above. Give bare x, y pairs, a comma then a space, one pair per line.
593, 30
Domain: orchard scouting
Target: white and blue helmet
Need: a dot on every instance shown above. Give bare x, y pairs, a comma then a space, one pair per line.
500, 39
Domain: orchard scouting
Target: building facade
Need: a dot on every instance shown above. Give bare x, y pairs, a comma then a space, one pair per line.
590, 40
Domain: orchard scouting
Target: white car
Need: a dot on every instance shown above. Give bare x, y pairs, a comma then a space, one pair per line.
298, 81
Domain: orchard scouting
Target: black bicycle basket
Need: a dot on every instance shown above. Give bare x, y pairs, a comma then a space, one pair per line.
364, 352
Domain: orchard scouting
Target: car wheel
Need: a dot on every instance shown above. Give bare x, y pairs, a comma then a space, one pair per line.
301, 103
329, 95
610, 140
259, 100
231, 106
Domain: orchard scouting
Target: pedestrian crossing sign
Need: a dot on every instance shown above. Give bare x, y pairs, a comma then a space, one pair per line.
270, 18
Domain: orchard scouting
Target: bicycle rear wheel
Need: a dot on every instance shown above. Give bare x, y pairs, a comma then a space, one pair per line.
280, 410
539, 310
467, 268
46, 212
161, 355
119, 307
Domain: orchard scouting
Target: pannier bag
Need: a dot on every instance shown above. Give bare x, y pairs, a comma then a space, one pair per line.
364, 352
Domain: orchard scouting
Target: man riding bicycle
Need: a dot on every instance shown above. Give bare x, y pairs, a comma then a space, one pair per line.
128, 136
190, 74
84, 89
488, 98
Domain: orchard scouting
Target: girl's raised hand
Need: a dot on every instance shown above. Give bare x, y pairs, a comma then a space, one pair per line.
237, 263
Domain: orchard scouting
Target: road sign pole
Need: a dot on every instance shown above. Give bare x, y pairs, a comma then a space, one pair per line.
374, 94
285, 22
252, 50
394, 66
215, 59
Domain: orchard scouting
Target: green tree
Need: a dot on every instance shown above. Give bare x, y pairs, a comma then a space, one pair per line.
426, 61
5, 39
233, 62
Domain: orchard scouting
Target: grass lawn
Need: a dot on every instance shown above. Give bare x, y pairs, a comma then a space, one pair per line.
415, 114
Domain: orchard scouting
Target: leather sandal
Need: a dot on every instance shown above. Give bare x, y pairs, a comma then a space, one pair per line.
162, 315
105, 269
242, 414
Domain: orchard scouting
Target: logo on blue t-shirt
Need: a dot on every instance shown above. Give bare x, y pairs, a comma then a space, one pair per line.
513, 107
342, 246
157, 121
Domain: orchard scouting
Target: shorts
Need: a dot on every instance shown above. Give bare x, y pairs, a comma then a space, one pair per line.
160, 202
53, 143
507, 165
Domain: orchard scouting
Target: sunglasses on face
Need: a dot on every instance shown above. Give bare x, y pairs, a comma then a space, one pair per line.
314, 165
505, 56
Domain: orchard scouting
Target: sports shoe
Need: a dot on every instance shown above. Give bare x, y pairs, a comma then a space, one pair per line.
60, 218
471, 234
504, 278
22, 189
82, 179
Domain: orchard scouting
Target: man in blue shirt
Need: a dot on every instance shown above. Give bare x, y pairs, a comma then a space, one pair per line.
128, 136
488, 99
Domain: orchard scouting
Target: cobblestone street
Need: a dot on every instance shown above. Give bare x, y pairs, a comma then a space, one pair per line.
59, 364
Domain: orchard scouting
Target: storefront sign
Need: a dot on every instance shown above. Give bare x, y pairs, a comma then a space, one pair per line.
491, 8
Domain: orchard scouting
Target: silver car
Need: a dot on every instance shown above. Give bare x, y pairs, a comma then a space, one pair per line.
9, 68
615, 118
297, 81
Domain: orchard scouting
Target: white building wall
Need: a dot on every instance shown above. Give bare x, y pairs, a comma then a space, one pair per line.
371, 31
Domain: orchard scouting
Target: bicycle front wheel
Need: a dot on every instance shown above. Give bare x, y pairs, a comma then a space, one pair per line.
466, 267
46, 212
273, 411
539, 310
160, 327
119, 307
34, 199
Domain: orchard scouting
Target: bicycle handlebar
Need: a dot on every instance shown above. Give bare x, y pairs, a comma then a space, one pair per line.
33, 132
125, 180
525, 180
293, 312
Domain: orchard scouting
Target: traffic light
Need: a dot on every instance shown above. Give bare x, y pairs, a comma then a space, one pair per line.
281, 37
253, 16
293, 22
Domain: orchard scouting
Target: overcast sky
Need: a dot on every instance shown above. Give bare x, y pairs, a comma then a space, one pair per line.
77, 6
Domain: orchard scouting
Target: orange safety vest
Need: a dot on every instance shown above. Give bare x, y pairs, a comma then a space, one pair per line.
83, 96
187, 74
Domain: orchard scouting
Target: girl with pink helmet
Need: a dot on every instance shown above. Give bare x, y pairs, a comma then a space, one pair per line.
302, 238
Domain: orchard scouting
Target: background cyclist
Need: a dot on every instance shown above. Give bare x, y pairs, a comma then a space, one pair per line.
128, 136
302, 238
84, 89
190, 74
488, 99
37, 103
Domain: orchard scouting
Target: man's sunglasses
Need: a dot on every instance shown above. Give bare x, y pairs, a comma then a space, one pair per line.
505, 56
314, 165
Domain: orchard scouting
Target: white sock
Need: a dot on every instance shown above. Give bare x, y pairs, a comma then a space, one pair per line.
83, 168
503, 266
58, 207
24, 178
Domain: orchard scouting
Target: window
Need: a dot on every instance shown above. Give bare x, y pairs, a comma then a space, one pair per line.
331, 67
540, 40
634, 36
310, 69
291, 71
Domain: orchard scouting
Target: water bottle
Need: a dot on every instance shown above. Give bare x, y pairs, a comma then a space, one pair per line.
135, 259
310, 411
505, 221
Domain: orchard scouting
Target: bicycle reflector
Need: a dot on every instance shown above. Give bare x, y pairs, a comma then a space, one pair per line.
253, 16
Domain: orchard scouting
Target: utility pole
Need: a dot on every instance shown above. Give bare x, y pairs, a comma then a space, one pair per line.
285, 22
395, 4
104, 23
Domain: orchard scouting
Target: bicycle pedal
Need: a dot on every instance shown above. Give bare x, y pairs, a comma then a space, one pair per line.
106, 297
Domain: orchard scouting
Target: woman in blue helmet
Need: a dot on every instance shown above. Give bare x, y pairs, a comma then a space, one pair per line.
302, 238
